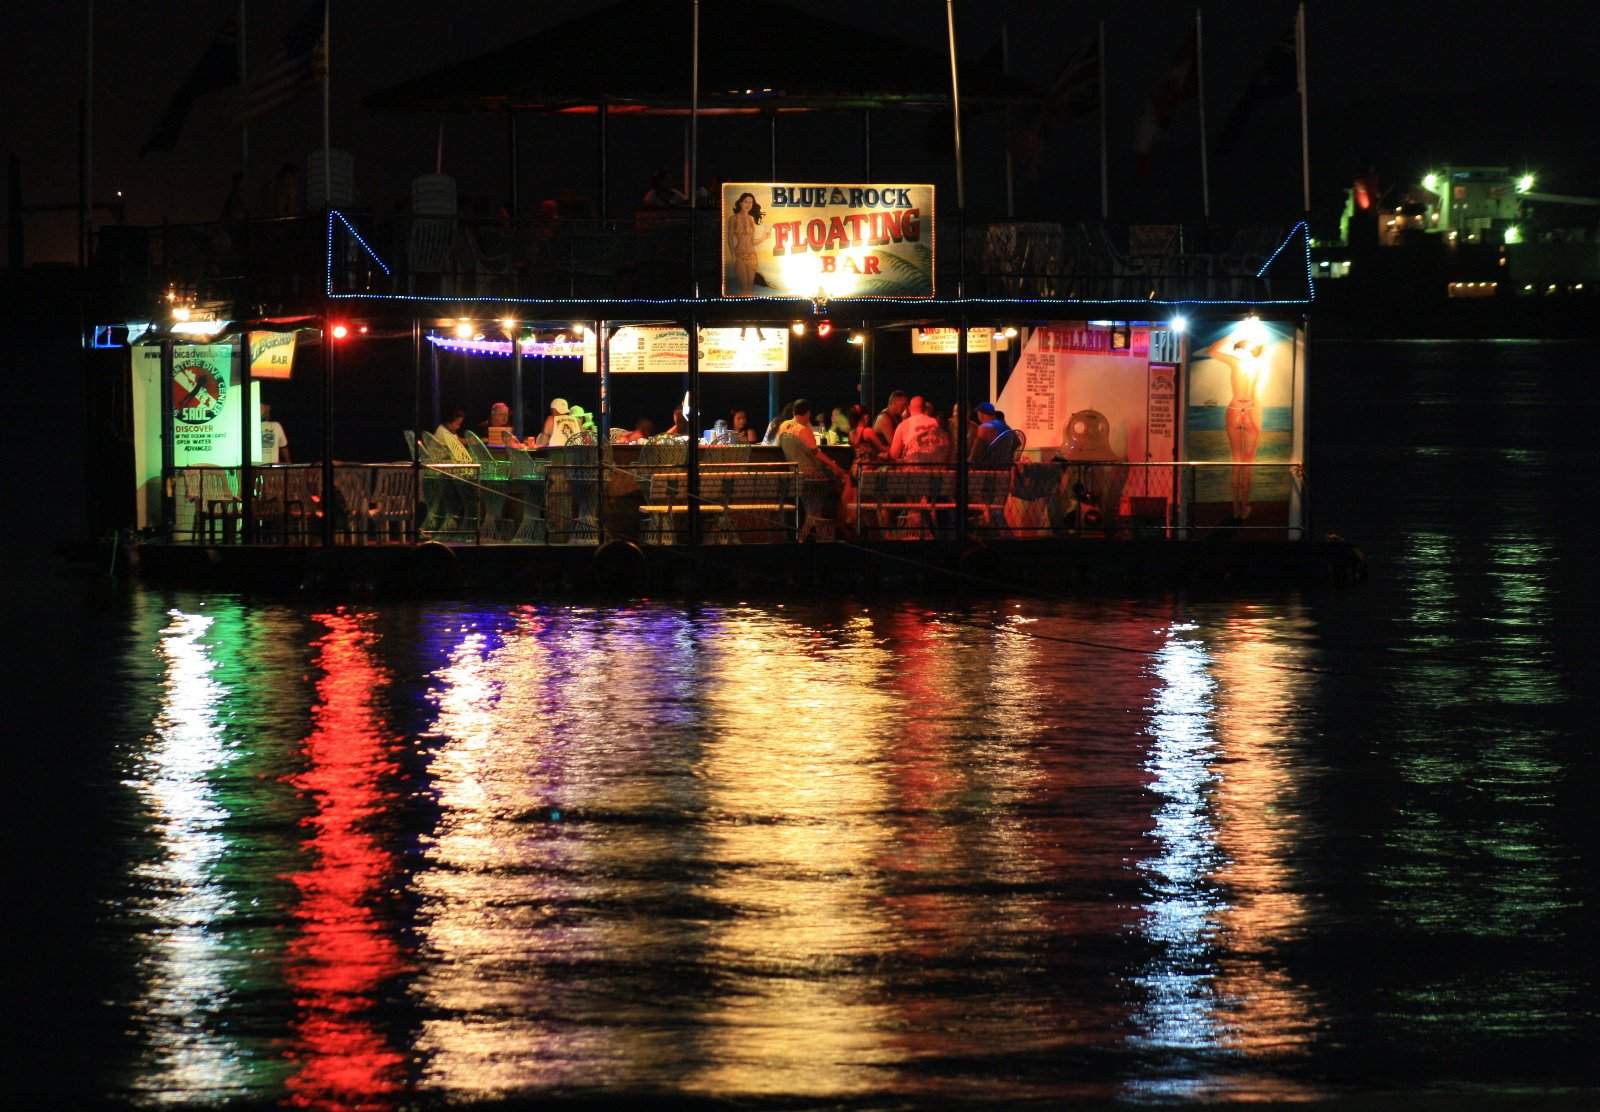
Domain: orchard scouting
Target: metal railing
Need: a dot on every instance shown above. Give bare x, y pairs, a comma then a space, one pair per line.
259, 267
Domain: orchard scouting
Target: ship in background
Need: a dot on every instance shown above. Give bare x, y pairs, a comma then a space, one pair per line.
1464, 251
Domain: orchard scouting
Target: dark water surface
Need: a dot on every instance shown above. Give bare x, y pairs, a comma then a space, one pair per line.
1157, 849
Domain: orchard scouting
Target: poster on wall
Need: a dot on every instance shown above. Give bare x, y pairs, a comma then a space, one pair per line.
1241, 410
942, 341
665, 350
855, 240
205, 420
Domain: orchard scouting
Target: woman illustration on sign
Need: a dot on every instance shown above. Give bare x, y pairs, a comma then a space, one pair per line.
1243, 353
744, 234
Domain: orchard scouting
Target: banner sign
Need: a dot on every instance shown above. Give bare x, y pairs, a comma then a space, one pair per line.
1096, 339
205, 415
942, 341
271, 354
786, 240
665, 350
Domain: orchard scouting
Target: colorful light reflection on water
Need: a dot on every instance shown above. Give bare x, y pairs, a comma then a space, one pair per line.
837, 851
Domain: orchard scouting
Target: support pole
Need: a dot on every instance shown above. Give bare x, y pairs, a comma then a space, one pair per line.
773, 402
602, 116
328, 495
438, 400
602, 448
168, 454
1005, 71
866, 144
1200, 99
241, 389
964, 397
516, 383
416, 425
961, 181
689, 185
512, 172
86, 178
1305, 131
865, 385
1105, 177
694, 420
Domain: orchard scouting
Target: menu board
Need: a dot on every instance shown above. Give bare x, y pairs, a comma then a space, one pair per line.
664, 350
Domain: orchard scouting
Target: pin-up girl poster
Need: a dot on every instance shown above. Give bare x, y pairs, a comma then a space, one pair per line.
744, 235
1241, 410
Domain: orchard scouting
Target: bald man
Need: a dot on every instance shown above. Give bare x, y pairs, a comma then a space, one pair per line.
920, 438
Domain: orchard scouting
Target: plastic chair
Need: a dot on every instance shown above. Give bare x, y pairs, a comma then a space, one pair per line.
394, 503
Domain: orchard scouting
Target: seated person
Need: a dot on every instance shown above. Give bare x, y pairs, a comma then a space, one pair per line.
497, 432
995, 443
799, 445
449, 434
920, 438
643, 429
558, 408
742, 431
680, 424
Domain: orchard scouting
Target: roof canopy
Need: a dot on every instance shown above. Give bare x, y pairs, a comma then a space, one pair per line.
755, 56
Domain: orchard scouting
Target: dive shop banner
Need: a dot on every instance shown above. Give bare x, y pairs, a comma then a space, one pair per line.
657, 350
205, 420
788, 240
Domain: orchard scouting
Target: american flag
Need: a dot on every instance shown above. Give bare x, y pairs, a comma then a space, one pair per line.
1180, 82
298, 64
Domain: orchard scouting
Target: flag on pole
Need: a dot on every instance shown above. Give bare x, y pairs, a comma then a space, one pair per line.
296, 66
1277, 77
216, 69
1076, 89
1073, 93
1179, 83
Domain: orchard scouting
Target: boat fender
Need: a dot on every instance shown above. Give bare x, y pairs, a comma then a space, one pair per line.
619, 567
434, 568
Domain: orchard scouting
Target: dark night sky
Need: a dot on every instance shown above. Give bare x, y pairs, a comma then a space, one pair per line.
1398, 84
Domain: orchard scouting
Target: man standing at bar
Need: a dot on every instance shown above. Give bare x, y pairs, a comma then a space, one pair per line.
890, 418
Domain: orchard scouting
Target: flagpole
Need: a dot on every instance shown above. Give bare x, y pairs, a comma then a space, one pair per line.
1200, 96
244, 92
961, 183
327, 76
86, 127
1105, 179
1005, 71
1305, 136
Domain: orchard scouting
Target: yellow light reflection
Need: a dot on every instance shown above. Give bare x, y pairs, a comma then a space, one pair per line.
792, 761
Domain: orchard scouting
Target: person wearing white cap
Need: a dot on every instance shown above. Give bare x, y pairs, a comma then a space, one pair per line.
558, 408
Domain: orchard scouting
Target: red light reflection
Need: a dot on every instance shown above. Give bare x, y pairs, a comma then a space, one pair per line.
342, 954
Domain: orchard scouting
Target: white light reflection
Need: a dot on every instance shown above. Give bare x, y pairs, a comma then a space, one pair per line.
185, 972
1179, 1008
1224, 896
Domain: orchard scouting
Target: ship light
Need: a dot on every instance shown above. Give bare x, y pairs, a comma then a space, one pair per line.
1525, 183
1179, 324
